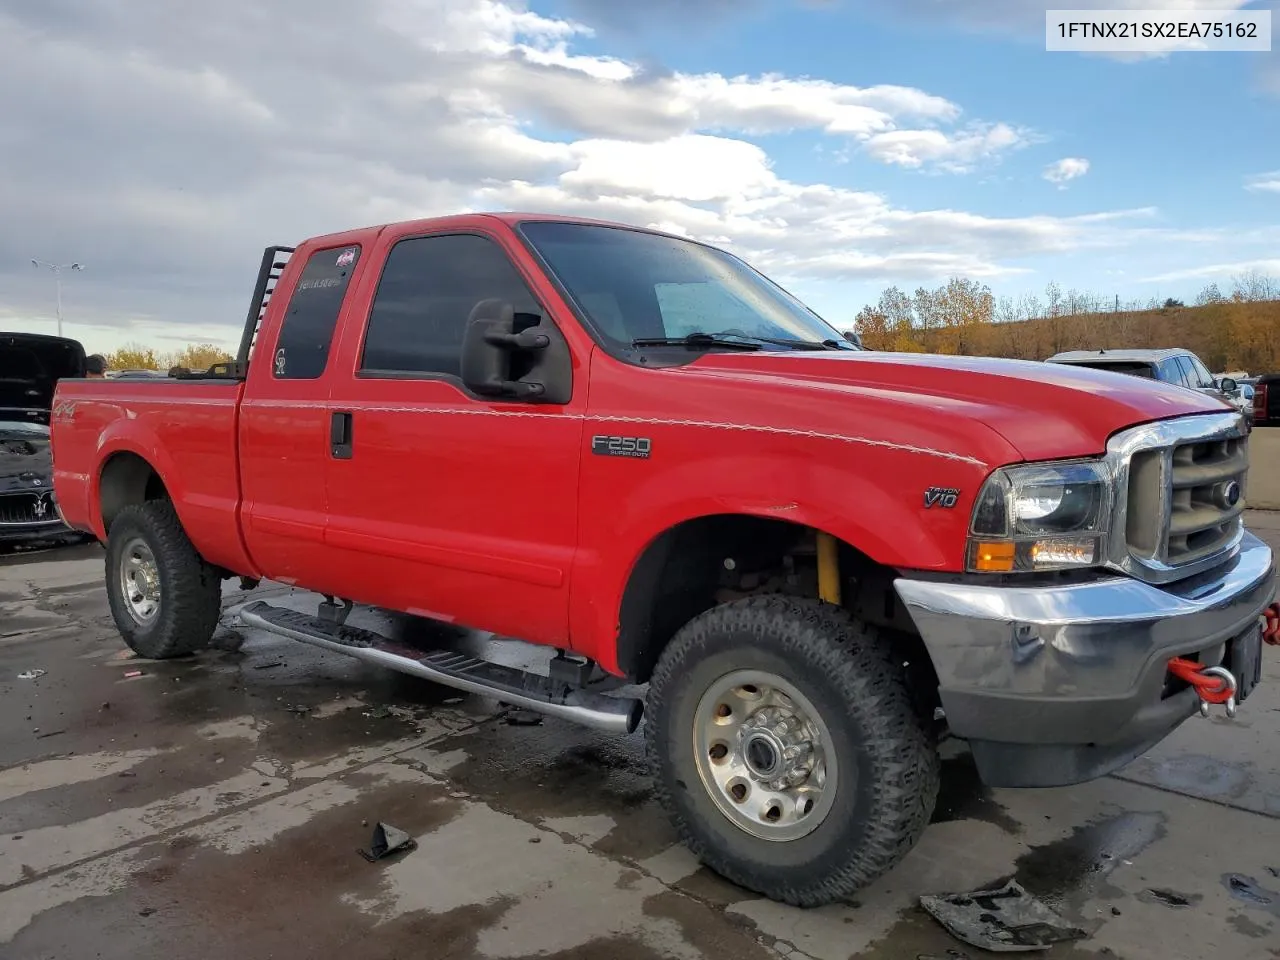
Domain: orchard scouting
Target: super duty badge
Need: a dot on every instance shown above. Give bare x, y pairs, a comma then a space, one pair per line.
636, 447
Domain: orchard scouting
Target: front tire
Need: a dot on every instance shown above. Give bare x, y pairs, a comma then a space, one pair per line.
786, 748
164, 598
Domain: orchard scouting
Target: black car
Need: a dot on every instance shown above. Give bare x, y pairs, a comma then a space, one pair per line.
30, 367
27, 507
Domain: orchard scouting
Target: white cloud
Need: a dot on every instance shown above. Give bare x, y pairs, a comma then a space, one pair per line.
1061, 172
1264, 182
166, 158
956, 152
1268, 267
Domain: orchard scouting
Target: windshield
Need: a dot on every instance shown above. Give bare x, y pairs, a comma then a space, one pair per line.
643, 286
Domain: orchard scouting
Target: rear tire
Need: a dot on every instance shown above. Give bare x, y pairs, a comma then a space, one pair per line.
164, 598
733, 687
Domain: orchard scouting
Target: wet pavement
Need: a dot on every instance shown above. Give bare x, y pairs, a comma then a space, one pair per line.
213, 807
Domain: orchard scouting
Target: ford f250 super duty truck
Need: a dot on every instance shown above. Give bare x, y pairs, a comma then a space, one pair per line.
636, 450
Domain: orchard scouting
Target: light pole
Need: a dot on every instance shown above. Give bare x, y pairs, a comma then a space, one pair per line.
57, 269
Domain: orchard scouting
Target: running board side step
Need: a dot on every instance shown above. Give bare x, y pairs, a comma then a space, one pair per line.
534, 691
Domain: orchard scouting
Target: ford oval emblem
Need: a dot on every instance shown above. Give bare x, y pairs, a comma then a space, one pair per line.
1228, 494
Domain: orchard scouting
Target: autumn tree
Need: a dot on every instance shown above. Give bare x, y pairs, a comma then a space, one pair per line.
200, 356
133, 356
1210, 294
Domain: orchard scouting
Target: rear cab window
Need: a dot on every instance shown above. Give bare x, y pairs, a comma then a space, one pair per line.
306, 332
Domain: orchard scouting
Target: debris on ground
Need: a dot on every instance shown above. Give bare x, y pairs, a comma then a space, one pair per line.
380, 712
453, 701
1003, 919
269, 666
520, 717
1169, 898
386, 841
299, 708
130, 674
1251, 892
32, 674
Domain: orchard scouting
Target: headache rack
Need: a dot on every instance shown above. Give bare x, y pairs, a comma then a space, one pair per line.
274, 260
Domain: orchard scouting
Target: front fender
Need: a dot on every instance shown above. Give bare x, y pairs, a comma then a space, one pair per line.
878, 509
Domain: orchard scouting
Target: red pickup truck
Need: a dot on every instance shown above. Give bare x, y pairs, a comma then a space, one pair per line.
636, 450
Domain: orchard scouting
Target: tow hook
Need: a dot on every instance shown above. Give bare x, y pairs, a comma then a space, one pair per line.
1271, 624
1213, 684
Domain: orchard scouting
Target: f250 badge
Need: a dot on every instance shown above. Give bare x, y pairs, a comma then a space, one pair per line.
944, 497
635, 447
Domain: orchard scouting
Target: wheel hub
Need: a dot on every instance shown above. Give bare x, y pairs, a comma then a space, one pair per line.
140, 581
762, 755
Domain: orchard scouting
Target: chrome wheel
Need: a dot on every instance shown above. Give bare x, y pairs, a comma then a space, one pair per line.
764, 755
140, 581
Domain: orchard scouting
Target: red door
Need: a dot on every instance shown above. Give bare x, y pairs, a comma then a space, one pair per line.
447, 504
284, 422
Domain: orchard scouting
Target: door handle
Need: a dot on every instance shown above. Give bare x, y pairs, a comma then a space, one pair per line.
340, 435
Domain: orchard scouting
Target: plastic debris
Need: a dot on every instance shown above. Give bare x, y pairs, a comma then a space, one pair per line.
520, 717
386, 841
1002, 920
130, 674
32, 674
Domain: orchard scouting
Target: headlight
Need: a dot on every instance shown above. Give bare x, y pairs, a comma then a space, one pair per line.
1040, 517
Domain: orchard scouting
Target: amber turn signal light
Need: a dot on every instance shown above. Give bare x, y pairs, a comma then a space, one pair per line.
993, 557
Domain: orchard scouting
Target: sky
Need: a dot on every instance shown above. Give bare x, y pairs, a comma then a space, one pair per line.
838, 145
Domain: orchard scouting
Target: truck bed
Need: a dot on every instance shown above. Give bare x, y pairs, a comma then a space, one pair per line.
186, 428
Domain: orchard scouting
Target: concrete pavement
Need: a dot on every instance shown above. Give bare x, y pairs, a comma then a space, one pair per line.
212, 807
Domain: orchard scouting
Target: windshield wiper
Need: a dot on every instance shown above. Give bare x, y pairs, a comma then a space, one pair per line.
697, 340
802, 344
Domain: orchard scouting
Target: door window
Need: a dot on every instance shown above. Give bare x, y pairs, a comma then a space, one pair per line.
1188, 373
1202, 373
302, 350
1171, 372
428, 289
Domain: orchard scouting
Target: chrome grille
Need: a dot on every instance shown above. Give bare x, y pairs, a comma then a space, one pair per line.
25, 508
1181, 487
1207, 497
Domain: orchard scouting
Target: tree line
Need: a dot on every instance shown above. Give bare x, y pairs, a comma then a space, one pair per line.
1234, 330
194, 356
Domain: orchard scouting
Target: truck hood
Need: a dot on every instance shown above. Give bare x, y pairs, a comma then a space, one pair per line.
30, 367
1045, 411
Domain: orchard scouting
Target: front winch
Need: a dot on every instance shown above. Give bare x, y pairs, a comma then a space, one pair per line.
1212, 684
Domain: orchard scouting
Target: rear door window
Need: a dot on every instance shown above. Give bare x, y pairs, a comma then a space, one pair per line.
302, 350
1171, 372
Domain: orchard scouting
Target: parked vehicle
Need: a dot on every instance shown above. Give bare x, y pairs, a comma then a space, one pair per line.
31, 365
1180, 367
636, 450
28, 510
1266, 399
1242, 399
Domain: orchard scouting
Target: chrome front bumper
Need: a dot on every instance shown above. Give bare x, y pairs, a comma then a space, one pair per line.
1056, 685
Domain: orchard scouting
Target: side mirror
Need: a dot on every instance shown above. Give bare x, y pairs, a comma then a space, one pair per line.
853, 338
495, 336
1227, 385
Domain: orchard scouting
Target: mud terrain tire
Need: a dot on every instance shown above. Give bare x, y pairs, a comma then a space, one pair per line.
886, 760
148, 541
